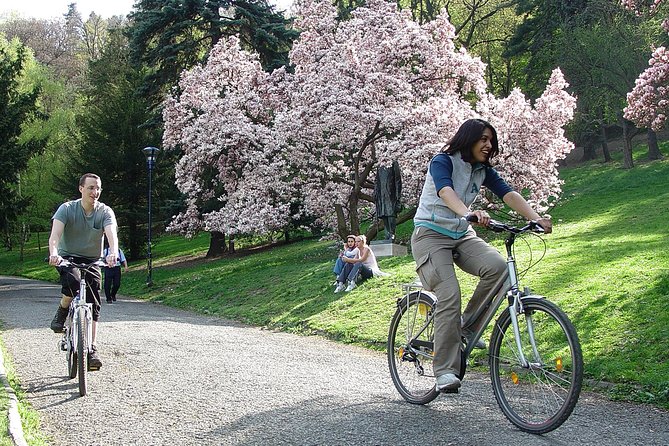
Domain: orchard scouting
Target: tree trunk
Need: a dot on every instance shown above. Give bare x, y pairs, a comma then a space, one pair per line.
628, 162
22, 241
605, 146
353, 214
342, 230
653, 149
136, 241
216, 244
231, 245
589, 153
8, 241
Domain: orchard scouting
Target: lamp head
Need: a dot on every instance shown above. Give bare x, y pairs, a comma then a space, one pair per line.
150, 153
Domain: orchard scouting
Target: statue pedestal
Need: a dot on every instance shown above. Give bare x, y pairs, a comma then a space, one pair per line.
386, 248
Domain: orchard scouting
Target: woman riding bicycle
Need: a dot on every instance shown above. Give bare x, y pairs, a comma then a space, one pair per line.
453, 181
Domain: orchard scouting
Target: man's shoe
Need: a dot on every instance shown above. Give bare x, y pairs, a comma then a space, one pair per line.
114, 299
351, 285
94, 362
109, 301
58, 322
340, 287
447, 383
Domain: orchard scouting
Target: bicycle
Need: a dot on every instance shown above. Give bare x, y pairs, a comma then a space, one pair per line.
534, 355
78, 328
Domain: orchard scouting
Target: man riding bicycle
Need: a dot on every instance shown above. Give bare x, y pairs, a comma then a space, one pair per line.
77, 230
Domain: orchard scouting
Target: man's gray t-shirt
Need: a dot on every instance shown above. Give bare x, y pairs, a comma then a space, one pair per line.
82, 236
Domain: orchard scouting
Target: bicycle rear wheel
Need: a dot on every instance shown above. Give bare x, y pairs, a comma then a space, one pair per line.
82, 351
539, 397
410, 349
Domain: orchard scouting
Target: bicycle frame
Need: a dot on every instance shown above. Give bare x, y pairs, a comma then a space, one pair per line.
508, 287
535, 395
515, 297
80, 301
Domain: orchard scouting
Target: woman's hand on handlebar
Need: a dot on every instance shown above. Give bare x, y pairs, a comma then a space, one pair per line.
479, 217
546, 223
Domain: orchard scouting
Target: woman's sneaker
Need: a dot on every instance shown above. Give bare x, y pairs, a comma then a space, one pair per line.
340, 287
447, 383
351, 285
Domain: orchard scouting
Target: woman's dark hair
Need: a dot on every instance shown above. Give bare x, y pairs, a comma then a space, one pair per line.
467, 135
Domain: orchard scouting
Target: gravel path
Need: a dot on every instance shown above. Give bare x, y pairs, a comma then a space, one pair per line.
176, 378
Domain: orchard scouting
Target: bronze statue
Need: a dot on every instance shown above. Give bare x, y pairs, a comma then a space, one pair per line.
387, 194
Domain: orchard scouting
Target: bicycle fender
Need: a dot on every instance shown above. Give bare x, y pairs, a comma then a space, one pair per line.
415, 294
532, 296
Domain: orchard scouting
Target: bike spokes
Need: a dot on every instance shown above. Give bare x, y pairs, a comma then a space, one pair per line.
410, 345
538, 395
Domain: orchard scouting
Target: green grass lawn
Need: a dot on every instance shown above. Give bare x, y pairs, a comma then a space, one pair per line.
606, 265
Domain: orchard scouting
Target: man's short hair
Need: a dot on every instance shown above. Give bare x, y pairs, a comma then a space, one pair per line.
82, 180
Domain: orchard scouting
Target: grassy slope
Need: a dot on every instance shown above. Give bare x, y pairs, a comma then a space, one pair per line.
606, 265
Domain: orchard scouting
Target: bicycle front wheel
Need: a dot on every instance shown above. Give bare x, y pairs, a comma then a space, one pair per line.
71, 358
82, 351
410, 349
540, 395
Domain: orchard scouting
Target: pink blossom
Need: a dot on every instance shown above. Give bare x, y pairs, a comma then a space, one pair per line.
260, 150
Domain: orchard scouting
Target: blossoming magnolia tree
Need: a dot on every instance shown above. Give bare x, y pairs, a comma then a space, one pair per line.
365, 91
229, 170
648, 102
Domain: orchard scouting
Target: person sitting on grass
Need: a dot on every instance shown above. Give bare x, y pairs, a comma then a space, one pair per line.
348, 251
364, 265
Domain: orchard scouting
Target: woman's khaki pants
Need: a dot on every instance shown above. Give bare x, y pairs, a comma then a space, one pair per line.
434, 255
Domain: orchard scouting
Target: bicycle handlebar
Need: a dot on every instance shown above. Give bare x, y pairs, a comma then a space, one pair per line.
496, 226
67, 261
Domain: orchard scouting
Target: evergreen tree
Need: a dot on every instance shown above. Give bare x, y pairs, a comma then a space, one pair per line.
173, 35
111, 139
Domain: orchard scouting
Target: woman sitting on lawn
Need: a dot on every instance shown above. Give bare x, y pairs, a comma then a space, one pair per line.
365, 265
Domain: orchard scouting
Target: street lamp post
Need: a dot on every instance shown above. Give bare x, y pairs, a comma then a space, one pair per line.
150, 153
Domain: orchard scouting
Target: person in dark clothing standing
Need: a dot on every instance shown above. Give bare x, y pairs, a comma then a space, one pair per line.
112, 276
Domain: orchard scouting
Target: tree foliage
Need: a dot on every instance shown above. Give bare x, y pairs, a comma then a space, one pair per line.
110, 140
535, 38
173, 35
66, 44
365, 91
648, 102
17, 107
